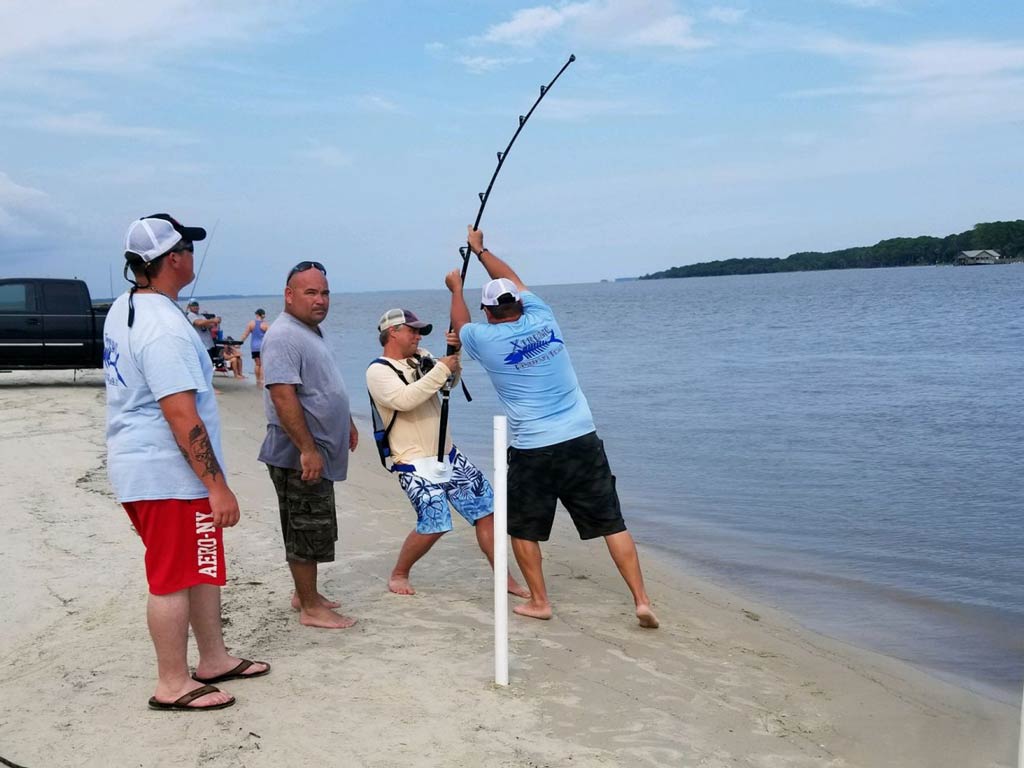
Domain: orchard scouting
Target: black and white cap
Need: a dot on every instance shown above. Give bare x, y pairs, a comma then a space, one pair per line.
153, 236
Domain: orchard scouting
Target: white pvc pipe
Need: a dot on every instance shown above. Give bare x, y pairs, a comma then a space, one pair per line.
500, 553
1020, 747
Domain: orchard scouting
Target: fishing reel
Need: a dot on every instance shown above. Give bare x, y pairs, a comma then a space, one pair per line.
423, 364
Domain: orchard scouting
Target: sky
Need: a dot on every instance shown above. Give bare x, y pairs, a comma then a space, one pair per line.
359, 134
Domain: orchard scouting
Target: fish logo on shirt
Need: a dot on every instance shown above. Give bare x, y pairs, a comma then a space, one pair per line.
111, 357
530, 348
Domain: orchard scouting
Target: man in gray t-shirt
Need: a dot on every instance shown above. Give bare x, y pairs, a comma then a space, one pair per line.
201, 324
309, 434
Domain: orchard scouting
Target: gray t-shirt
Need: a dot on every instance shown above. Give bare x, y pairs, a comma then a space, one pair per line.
294, 353
204, 333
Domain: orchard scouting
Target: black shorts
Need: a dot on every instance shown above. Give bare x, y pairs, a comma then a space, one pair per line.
576, 473
256, 355
309, 522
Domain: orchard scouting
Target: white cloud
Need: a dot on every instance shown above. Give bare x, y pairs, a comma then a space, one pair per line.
79, 34
726, 15
326, 155
29, 220
371, 102
17, 207
97, 125
957, 80
884, 4
610, 24
528, 26
480, 64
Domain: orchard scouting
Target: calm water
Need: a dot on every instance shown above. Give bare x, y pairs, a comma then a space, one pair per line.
844, 445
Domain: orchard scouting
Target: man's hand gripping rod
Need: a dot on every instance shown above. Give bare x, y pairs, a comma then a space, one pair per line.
465, 252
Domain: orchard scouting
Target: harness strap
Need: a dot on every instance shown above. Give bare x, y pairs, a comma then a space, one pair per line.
380, 432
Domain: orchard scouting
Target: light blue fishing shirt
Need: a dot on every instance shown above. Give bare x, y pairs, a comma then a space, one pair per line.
532, 373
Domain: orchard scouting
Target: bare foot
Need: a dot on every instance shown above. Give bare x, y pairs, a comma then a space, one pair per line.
646, 617
400, 585
325, 618
533, 611
324, 602
515, 588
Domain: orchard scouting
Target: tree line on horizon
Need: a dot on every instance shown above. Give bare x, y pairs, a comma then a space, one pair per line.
1007, 237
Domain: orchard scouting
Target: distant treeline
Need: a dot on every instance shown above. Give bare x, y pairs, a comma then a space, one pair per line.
1007, 237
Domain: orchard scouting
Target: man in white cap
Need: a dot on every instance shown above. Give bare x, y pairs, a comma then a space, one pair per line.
556, 454
403, 385
165, 463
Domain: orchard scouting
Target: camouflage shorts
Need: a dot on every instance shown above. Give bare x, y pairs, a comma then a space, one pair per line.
309, 522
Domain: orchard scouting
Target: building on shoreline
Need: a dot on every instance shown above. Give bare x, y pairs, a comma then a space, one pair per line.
965, 258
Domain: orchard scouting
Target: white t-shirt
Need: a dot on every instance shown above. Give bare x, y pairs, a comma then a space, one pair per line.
160, 355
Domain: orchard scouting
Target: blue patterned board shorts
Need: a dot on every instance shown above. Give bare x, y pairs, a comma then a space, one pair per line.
467, 490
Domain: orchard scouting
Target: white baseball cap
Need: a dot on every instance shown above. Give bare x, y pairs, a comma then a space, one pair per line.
496, 291
153, 236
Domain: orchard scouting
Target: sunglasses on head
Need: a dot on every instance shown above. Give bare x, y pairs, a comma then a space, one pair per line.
302, 266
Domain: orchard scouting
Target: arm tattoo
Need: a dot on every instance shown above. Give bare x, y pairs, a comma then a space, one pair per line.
202, 450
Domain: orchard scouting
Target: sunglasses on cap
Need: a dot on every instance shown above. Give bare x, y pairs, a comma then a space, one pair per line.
184, 245
302, 266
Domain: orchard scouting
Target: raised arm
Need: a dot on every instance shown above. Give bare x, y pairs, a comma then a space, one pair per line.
495, 267
459, 310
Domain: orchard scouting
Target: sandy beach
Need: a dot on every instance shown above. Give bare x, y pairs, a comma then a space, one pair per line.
723, 682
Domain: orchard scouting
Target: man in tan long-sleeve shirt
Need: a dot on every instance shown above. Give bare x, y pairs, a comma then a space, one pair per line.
404, 383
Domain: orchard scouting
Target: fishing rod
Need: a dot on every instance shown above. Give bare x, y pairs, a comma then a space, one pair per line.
465, 252
202, 261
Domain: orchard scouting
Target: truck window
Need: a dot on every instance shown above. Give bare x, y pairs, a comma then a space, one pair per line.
63, 298
17, 297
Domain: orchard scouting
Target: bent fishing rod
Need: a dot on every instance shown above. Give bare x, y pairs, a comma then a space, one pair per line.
465, 251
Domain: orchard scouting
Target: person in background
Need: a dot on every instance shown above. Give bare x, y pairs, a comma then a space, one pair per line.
227, 351
204, 327
257, 327
403, 384
310, 433
165, 463
556, 454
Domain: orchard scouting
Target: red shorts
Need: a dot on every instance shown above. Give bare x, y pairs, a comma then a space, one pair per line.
183, 548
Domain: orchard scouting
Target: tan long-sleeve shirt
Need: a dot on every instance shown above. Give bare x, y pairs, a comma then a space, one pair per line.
414, 434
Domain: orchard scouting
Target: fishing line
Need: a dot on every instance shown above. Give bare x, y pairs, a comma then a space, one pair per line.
202, 261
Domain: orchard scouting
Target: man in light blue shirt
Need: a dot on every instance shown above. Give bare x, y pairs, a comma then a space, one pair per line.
556, 454
166, 465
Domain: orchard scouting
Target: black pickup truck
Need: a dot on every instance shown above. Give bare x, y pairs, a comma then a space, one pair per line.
48, 323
